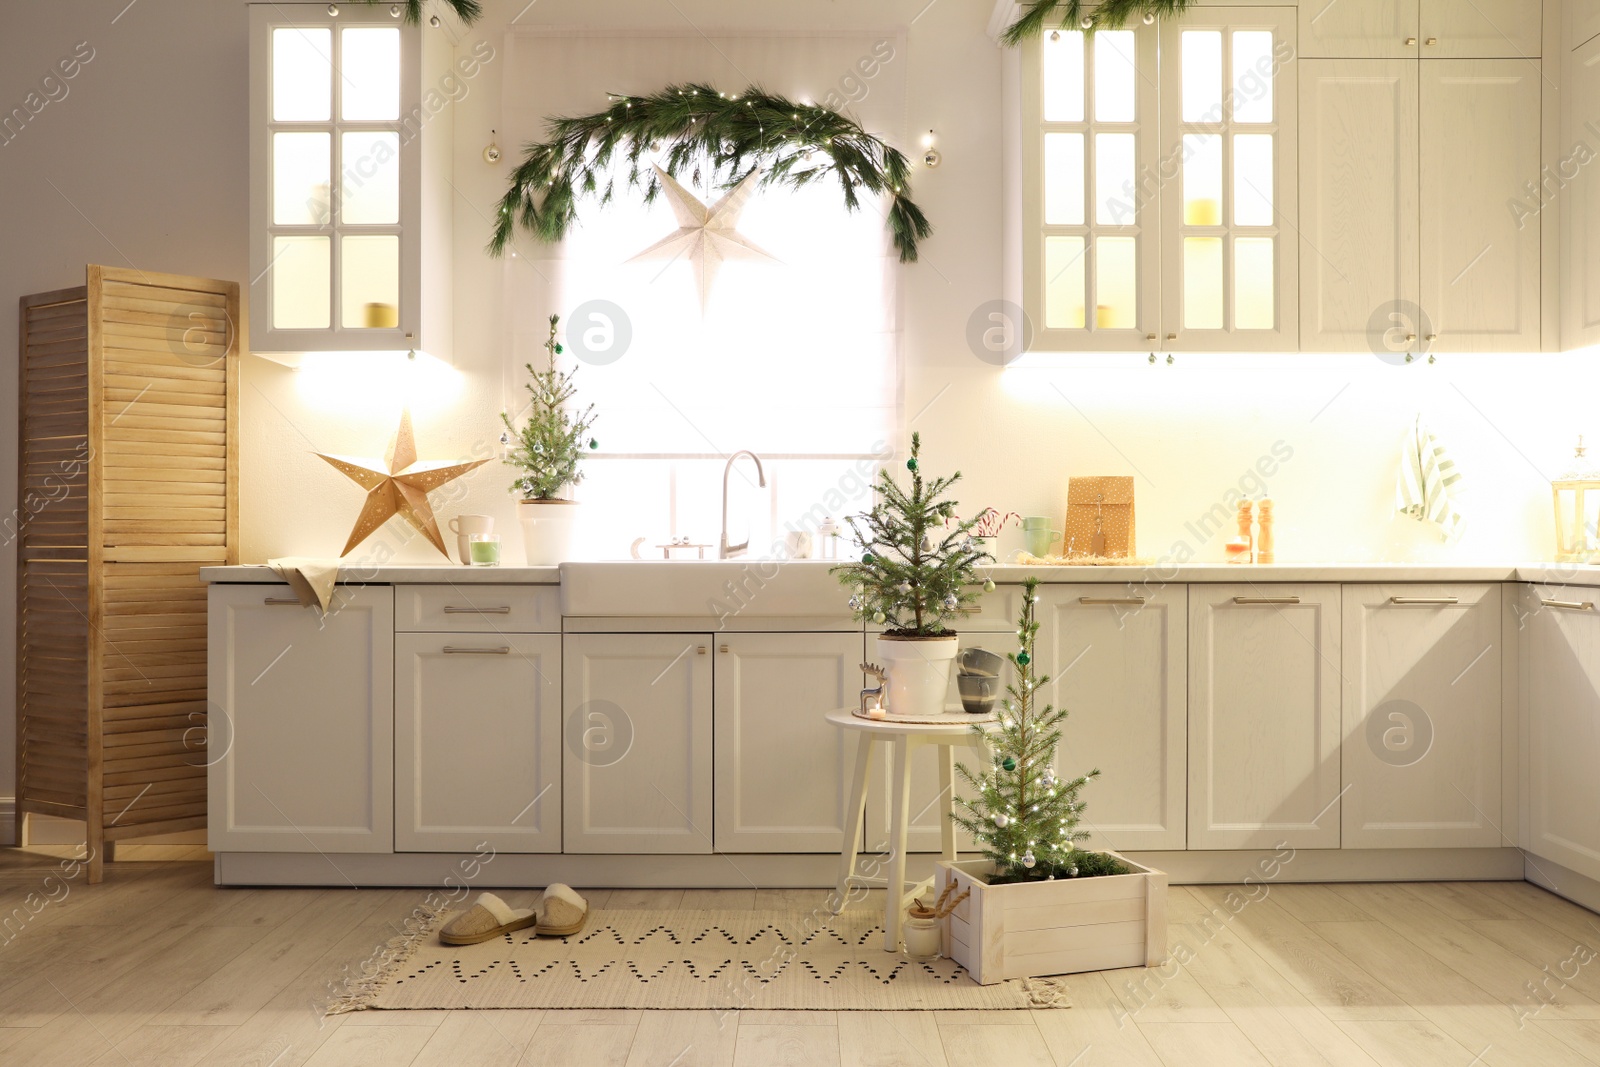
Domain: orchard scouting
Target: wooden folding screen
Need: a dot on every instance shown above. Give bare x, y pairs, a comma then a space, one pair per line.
127, 486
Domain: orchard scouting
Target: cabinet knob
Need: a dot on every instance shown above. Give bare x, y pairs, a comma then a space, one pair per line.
1431, 40
722, 648
1410, 41
700, 650
1172, 337
1150, 337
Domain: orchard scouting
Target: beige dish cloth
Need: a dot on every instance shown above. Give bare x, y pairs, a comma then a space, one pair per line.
311, 579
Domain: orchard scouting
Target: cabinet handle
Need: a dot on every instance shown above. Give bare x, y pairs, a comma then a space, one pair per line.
700, 650
1410, 41
451, 610
1431, 40
1570, 605
1424, 600
722, 648
1134, 601
1172, 337
1266, 600
501, 651
285, 601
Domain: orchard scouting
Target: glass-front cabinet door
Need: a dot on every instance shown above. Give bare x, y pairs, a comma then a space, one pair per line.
1159, 185
1090, 262
1229, 252
336, 154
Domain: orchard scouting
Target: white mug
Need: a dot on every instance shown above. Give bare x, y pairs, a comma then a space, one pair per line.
464, 526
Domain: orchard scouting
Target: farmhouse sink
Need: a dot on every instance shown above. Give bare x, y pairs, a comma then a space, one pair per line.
752, 588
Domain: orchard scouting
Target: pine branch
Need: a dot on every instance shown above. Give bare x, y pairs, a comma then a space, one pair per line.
468, 11
794, 144
1069, 15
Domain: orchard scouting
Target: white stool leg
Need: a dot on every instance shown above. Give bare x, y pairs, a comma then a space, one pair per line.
947, 802
854, 814
895, 896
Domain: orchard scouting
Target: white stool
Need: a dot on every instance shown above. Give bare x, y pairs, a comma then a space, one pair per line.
905, 737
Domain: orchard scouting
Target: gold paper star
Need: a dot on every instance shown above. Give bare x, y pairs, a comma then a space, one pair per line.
399, 485
706, 234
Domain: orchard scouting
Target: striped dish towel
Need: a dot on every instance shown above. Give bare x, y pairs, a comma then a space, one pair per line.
1427, 482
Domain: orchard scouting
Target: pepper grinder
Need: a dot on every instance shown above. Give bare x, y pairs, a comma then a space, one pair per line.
1245, 508
1264, 539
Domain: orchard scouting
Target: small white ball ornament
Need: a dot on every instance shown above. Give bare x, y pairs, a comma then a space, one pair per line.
1028, 860
1001, 820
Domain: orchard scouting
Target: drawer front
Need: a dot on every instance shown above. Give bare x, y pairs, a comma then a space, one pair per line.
466, 608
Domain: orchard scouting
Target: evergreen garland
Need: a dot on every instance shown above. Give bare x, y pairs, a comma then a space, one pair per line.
1025, 819
1105, 15
915, 571
549, 446
733, 136
468, 11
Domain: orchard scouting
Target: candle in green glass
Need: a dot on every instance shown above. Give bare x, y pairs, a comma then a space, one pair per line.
485, 551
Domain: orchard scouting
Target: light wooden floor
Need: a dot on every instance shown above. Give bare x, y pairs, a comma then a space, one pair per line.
156, 967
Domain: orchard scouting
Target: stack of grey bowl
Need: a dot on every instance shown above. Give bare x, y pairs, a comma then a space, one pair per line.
978, 679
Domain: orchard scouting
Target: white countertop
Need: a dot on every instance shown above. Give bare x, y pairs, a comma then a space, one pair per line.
451, 574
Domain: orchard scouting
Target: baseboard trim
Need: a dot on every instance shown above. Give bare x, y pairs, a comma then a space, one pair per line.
1562, 881
506, 870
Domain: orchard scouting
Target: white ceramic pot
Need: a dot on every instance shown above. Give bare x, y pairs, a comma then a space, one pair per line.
546, 530
918, 670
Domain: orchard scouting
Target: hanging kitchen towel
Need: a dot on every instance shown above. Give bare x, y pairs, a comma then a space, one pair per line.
311, 579
1428, 482
1099, 517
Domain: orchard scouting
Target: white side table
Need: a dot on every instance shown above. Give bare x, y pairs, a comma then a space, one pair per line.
905, 737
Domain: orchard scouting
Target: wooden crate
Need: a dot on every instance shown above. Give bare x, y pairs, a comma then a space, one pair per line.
127, 485
1062, 927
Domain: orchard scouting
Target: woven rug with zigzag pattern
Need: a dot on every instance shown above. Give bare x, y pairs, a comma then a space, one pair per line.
731, 960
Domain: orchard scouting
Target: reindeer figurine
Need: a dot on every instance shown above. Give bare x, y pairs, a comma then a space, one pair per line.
872, 699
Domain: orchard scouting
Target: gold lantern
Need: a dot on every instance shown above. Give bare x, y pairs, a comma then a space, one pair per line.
1577, 501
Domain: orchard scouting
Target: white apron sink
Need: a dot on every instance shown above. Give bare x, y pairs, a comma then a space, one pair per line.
750, 588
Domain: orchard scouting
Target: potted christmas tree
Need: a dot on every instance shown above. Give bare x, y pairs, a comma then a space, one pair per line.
1038, 904
916, 572
546, 451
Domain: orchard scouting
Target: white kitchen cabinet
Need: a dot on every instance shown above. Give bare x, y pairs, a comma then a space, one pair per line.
1360, 272
1581, 23
1117, 660
1422, 716
1481, 29
477, 742
1580, 200
1480, 261
637, 743
1264, 716
780, 767
302, 711
1561, 675
1370, 29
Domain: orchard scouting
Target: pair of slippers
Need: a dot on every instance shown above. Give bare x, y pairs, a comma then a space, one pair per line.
560, 913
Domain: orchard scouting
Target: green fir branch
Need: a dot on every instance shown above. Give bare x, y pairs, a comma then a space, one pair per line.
792, 144
468, 11
1070, 15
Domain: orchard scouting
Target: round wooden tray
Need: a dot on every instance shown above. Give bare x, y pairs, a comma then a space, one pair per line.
953, 715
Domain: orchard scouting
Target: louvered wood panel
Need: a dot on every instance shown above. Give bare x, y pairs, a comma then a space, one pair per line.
128, 485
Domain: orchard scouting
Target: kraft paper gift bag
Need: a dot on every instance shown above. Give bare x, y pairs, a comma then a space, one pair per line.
1099, 517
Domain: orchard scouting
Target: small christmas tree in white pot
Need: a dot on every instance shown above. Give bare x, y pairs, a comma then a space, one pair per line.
915, 574
1025, 819
546, 450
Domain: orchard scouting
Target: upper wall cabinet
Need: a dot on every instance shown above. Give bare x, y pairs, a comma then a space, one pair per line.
349, 181
1582, 23
1451, 269
1159, 184
1580, 201
1430, 29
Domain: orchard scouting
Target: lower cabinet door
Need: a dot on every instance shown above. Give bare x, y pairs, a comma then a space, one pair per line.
1264, 716
477, 742
636, 743
780, 766
1561, 672
1116, 659
1422, 720
301, 728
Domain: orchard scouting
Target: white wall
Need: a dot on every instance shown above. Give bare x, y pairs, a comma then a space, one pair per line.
143, 163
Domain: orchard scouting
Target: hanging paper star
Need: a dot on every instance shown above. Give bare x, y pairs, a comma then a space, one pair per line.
399, 485
706, 234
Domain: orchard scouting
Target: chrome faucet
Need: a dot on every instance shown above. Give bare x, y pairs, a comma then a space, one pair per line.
725, 550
